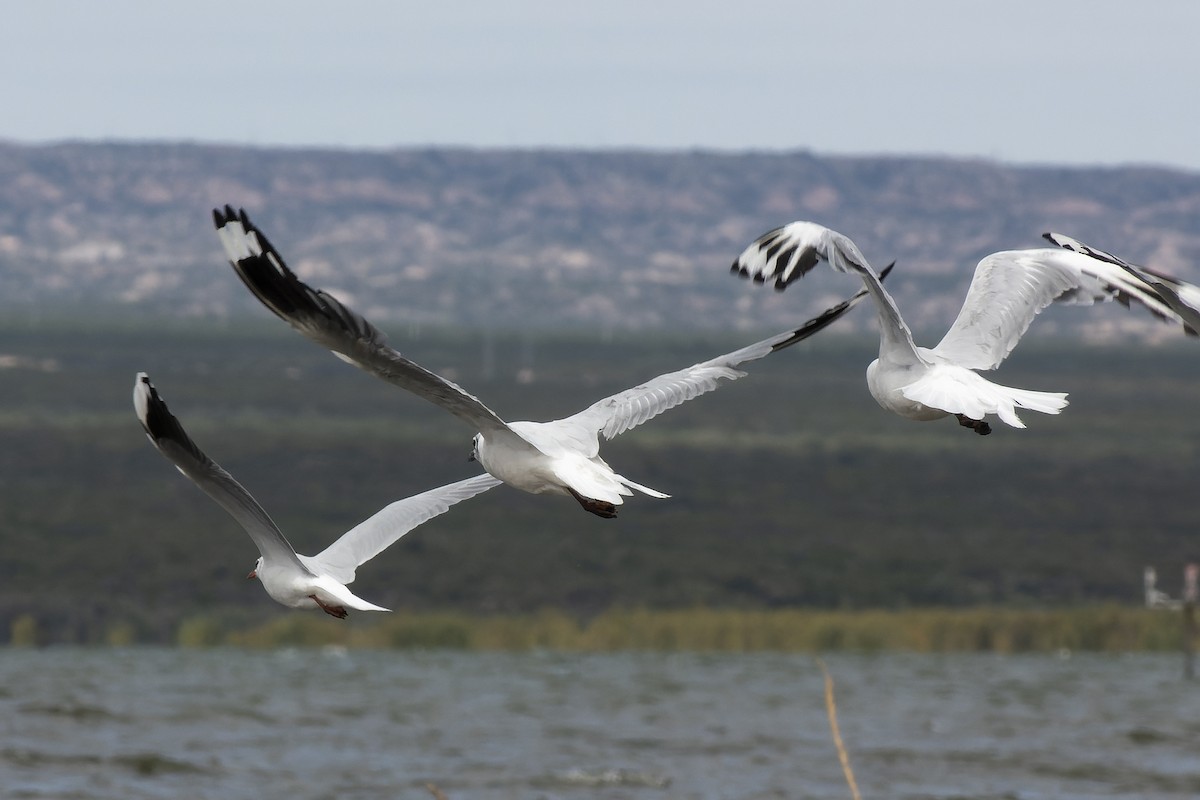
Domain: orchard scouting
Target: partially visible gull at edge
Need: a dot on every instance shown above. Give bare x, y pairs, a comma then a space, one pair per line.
1008, 290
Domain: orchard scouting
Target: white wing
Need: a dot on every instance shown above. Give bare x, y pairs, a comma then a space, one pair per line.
1010, 288
789, 252
170, 439
1180, 296
326, 321
784, 254
374, 535
614, 415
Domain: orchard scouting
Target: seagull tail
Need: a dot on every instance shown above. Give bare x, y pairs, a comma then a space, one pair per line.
343, 596
961, 391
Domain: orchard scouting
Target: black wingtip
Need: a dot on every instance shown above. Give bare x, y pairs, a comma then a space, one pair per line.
1049, 237
155, 417
886, 270
224, 216
161, 425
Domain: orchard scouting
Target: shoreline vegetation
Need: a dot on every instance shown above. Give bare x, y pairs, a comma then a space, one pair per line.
1104, 628
793, 495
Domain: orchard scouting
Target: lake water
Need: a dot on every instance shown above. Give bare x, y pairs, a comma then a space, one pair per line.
335, 725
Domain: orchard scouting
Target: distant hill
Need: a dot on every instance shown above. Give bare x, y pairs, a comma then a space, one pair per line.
602, 240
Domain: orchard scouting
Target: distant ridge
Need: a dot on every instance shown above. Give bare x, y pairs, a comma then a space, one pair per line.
553, 238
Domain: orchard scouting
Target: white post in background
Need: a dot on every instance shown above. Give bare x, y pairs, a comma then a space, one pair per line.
1191, 592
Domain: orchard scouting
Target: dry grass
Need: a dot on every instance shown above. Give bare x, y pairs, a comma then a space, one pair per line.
1091, 629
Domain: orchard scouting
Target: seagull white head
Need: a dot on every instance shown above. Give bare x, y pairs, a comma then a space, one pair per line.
254, 572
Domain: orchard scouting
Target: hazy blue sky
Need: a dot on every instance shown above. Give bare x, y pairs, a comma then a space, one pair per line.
1081, 81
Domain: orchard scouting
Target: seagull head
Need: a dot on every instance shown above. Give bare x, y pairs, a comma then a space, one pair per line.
254, 572
475, 448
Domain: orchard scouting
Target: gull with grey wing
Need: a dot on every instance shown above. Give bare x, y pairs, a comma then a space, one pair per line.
558, 457
295, 580
1007, 291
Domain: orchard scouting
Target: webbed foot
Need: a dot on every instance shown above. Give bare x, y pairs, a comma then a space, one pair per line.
600, 508
333, 611
977, 425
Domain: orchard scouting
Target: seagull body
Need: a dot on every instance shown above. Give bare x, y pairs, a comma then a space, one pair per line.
559, 457
1008, 290
291, 579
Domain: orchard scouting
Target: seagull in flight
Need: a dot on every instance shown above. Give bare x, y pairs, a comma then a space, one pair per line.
292, 579
1008, 290
559, 457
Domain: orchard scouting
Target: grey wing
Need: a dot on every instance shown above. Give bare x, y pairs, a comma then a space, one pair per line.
326, 321
1181, 297
1011, 287
614, 415
169, 438
372, 536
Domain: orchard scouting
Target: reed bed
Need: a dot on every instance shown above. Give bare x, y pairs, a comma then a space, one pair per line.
1090, 629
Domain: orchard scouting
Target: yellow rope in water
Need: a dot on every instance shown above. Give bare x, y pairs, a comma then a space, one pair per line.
831, 710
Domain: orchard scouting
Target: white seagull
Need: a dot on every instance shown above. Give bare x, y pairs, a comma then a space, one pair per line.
558, 457
292, 579
1181, 296
1008, 290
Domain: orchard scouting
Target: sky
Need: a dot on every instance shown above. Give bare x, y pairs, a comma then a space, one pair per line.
1069, 81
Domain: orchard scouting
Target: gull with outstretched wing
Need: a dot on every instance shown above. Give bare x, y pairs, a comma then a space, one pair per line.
1008, 290
295, 580
558, 457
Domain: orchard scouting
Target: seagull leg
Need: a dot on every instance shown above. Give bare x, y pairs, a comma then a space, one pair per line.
333, 611
977, 425
598, 507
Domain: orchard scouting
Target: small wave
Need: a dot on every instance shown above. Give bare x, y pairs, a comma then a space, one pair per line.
148, 764
76, 711
604, 777
34, 758
1146, 735
145, 764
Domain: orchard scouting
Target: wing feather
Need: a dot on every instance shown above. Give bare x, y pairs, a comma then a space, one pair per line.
787, 253
325, 320
375, 534
169, 438
1181, 297
1012, 287
626, 410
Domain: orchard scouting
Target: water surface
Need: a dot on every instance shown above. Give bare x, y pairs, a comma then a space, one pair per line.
337, 725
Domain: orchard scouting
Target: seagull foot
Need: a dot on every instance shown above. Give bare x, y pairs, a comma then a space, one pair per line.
333, 611
977, 425
600, 508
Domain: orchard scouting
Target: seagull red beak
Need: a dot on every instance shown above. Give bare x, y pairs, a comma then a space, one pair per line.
253, 574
